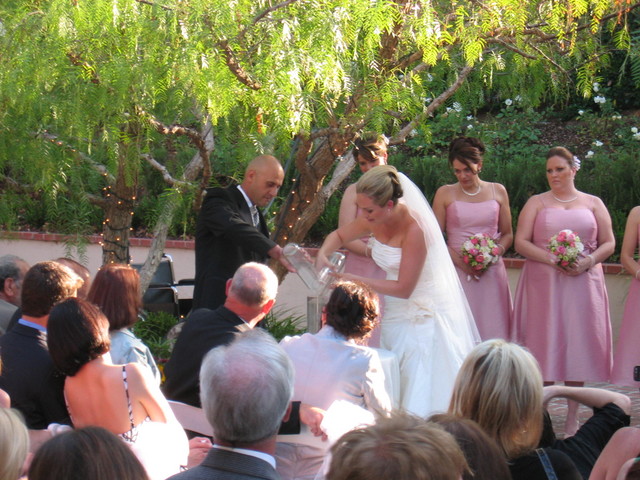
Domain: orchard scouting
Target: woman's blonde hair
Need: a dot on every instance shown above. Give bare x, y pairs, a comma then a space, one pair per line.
14, 444
499, 386
381, 184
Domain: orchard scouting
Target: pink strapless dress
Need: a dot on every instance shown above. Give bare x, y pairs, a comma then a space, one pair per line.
563, 320
627, 353
489, 297
366, 267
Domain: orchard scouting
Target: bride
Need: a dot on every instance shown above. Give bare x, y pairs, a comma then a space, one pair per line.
427, 322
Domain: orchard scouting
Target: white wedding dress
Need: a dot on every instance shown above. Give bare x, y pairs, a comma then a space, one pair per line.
433, 330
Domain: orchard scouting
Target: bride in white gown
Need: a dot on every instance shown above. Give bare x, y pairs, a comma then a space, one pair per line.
427, 321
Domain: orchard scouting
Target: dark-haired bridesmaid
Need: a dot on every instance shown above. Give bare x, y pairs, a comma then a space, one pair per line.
472, 206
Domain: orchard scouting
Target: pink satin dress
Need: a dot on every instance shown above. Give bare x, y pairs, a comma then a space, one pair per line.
367, 268
627, 353
489, 297
564, 320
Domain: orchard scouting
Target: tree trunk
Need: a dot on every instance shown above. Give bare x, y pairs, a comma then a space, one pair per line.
308, 199
118, 215
161, 228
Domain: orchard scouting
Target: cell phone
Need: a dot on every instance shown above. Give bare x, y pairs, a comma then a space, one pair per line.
636, 373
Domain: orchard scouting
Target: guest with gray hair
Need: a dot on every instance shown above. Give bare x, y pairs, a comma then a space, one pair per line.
12, 272
247, 388
251, 294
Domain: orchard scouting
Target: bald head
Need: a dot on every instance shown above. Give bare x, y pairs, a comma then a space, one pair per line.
253, 285
262, 179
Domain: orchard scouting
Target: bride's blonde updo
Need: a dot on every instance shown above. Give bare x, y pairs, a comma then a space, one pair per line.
381, 184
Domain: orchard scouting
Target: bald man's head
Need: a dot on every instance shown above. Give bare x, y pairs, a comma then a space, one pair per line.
262, 179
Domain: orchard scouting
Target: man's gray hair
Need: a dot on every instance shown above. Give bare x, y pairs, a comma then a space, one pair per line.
246, 387
10, 268
254, 284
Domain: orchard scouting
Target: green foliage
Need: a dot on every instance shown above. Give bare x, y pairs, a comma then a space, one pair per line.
80, 82
152, 329
282, 323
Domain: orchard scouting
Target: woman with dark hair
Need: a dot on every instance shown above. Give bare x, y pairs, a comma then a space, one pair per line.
90, 453
331, 366
124, 399
369, 151
561, 312
116, 290
469, 207
427, 321
486, 461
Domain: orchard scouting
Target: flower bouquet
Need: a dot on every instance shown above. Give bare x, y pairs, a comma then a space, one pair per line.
565, 248
480, 251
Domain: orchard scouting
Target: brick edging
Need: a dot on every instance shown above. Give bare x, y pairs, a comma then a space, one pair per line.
516, 263
94, 239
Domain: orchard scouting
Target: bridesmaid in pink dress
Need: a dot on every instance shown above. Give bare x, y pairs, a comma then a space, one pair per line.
627, 355
370, 151
562, 314
466, 208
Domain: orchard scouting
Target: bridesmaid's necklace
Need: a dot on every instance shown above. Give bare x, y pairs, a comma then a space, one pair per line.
564, 201
472, 194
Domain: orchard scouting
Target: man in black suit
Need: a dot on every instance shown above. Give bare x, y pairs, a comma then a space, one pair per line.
231, 230
246, 392
28, 374
250, 295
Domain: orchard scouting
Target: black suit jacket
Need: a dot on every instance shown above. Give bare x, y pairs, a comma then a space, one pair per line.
226, 465
30, 379
202, 331
225, 239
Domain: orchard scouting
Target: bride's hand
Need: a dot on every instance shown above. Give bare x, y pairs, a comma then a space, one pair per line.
322, 261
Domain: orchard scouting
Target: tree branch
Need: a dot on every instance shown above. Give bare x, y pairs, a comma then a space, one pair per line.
436, 103
513, 48
236, 68
166, 176
98, 167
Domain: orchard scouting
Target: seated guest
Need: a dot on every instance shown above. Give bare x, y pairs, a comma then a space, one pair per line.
399, 447
485, 459
12, 272
124, 399
250, 295
27, 370
14, 444
499, 386
116, 290
330, 366
247, 387
90, 453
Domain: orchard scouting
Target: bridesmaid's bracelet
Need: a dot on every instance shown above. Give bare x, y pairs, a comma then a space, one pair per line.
502, 248
593, 261
636, 275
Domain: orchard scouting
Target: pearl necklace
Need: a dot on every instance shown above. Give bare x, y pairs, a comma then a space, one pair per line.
471, 194
564, 201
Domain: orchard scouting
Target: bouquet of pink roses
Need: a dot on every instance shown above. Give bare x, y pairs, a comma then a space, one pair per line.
565, 248
480, 251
